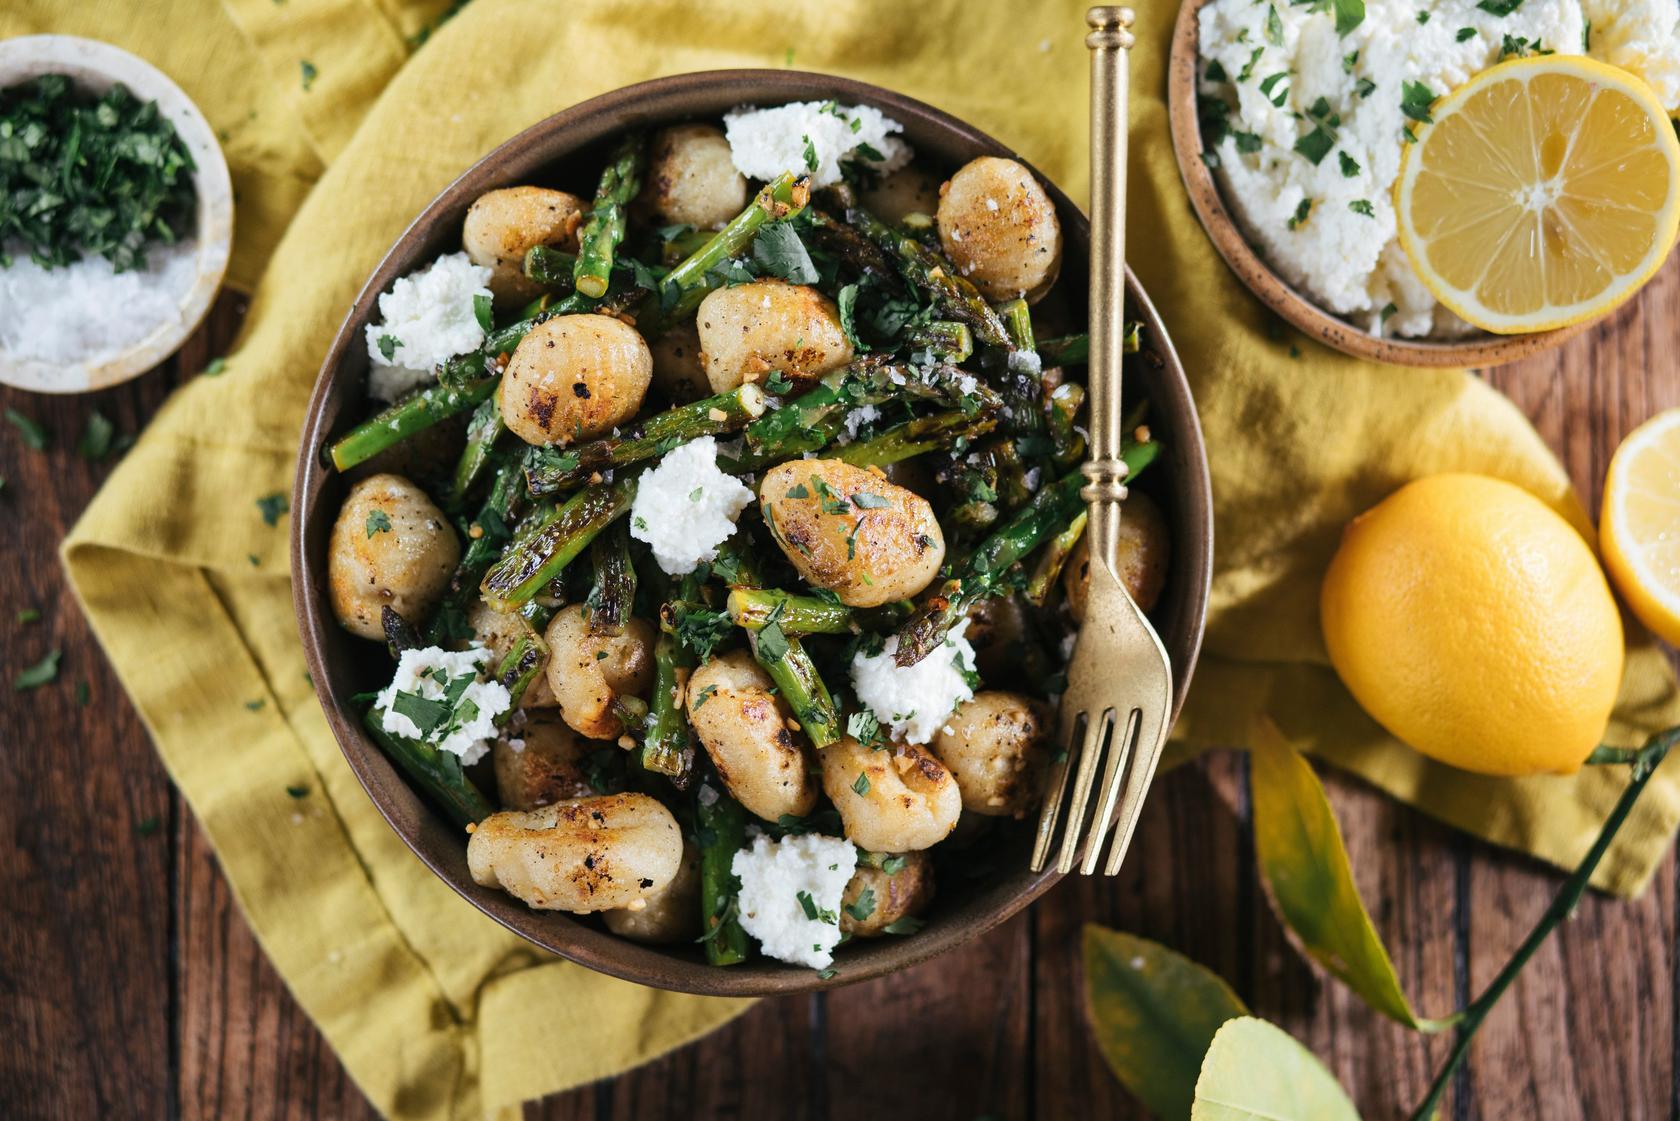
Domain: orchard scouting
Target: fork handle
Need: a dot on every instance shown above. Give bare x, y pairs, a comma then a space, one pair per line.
1109, 41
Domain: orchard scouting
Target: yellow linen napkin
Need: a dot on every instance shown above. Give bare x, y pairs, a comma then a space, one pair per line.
436, 1011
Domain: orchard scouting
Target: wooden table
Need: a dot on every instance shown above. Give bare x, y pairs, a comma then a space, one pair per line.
133, 988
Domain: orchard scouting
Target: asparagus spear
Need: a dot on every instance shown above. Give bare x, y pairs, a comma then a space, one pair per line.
1023, 374
1075, 350
927, 269
685, 286
915, 437
782, 655
980, 572
551, 268
752, 608
613, 595
528, 655
483, 430
950, 340
1054, 559
604, 228
438, 773
1061, 412
667, 749
506, 490
542, 554
403, 419
722, 828
548, 472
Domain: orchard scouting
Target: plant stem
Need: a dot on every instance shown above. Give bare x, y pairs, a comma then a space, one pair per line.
1645, 761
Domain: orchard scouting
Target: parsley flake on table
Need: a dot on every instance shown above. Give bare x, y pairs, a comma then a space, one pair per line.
215, 368
39, 674
95, 443
31, 433
272, 507
80, 174
309, 73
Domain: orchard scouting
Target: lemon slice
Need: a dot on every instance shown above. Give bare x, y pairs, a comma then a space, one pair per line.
1641, 530
1545, 192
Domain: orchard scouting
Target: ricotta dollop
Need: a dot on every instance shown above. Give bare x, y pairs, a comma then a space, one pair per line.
457, 706
915, 701
814, 136
790, 895
427, 318
686, 507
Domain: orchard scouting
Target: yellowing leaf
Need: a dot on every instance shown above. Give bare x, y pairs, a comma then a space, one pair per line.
1306, 870
1154, 1013
1256, 1072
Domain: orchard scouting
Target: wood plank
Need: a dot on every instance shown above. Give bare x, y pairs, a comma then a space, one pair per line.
85, 947
1187, 884
958, 1039
1588, 1029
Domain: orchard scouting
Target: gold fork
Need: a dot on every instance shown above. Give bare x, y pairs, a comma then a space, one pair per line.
1119, 683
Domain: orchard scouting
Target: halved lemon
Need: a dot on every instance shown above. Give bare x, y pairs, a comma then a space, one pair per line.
1544, 192
1640, 534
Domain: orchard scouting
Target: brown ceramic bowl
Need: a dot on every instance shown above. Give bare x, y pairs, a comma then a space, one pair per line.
1227, 236
567, 150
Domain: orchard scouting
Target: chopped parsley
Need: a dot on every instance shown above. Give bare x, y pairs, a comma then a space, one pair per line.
1275, 88
813, 912
1499, 7
217, 365
1301, 213
1423, 17
298, 791
1349, 61
778, 251
846, 300
1214, 72
909, 924
1388, 310
1274, 26
863, 727
861, 786
1362, 206
1364, 88
1465, 34
95, 443
32, 434
866, 501
862, 907
309, 73
772, 642
778, 383
893, 865
1315, 145
272, 507
1248, 67
481, 312
39, 674
703, 696
378, 522
28, 615
700, 629
1247, 141
811, 161
1416, 99
1350, 166
1349, 15
80, 174
1518, 47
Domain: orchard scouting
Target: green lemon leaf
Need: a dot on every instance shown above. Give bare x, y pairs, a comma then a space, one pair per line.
1154, 1013
1254, 1071
1305, 866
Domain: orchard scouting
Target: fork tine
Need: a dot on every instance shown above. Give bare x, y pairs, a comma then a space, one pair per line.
1090, 755
1152, 736
1118, 749
1050, 813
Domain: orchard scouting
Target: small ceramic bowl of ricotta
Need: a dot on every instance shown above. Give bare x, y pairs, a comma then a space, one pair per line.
1314, 239
80, 327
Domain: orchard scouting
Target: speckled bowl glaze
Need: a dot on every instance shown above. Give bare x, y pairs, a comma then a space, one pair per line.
1227, 237
567, 150
97, 66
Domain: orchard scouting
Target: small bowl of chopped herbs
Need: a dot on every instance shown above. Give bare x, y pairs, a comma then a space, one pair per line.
116, 214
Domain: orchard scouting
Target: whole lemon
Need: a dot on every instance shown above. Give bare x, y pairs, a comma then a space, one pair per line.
1475, 624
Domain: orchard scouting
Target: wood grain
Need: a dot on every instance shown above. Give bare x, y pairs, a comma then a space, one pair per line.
131, 987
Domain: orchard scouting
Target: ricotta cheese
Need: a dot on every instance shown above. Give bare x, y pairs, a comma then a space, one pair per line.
790, 895
426, 319
763, 143
686, 507
1315, 123
914, 701
456, 709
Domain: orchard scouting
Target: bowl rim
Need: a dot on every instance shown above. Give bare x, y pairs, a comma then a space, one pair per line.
1276, 293
99, 65
588, 123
